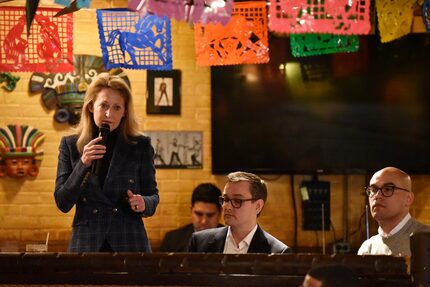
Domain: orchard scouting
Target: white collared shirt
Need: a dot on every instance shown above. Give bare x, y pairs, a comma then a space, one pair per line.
230, 246
395, 229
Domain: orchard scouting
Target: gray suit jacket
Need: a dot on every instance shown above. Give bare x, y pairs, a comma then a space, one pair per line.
213, 241
104, 214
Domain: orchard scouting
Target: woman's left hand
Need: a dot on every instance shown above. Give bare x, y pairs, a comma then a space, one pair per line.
136, 201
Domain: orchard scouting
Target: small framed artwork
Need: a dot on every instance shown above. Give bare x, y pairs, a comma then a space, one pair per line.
164, 89
174, 149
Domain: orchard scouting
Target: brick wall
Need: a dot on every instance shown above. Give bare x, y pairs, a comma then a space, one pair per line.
27, 208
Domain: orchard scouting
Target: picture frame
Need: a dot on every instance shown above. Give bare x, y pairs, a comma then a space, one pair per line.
177, 149
164, 89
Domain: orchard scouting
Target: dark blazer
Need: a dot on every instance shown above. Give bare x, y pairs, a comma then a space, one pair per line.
177, 240
213, 241
104, 214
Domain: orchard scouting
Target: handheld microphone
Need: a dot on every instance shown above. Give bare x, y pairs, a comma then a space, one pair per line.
97, 164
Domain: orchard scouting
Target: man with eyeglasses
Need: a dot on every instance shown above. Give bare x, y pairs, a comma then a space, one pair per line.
390, 197
205, 213
242, 201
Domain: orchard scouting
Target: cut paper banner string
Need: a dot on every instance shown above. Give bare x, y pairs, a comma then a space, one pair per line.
48, 48
138, 5
394, 18
30, 11
193, 11
243, 40
79, 3
134, 41
318, 44
73, 7
343, 17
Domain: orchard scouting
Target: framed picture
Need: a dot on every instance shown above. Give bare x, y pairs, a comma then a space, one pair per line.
164, 92
174, 149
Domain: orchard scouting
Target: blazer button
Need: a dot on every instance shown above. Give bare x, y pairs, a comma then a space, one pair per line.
115, 210
84, 199
95, 211
131, 180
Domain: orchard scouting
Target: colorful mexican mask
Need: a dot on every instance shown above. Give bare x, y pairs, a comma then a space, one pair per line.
65, 92
19, 152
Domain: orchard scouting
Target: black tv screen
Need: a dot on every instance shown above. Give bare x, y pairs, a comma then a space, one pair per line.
340, 113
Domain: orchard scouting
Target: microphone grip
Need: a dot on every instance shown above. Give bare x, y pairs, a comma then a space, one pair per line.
97, 164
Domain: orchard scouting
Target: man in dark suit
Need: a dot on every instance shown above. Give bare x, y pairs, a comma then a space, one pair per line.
242, 201
205, 213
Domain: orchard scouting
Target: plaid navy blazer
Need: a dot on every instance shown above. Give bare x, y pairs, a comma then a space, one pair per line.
104, 213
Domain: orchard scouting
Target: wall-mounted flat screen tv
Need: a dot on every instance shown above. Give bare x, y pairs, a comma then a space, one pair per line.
339, 113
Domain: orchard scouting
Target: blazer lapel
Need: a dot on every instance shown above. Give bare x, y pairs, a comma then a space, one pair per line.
259, 242
216, 244
119, 160
97, 191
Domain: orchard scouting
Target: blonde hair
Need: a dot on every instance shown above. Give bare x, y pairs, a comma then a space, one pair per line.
128, 127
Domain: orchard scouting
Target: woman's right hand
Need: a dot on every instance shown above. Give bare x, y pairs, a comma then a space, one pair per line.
92, 151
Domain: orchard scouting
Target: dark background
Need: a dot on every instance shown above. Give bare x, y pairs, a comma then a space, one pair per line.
339, 113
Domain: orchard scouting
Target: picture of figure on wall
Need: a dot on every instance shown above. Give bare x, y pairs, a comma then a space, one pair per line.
163, 92
164, 89
177, 149
195, 151
158, 156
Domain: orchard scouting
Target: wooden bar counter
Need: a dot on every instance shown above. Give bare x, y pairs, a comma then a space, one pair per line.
188, 269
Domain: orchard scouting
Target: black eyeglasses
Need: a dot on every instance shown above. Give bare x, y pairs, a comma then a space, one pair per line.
235, 202
386, 190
